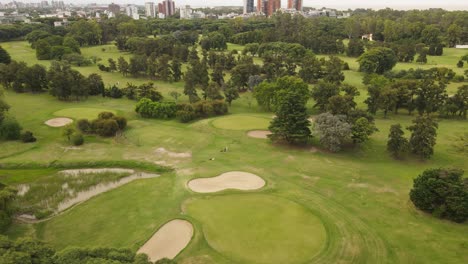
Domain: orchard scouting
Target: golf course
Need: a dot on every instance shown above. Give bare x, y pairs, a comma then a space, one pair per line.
217, 190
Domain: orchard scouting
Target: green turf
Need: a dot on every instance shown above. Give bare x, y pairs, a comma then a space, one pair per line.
241, 122
360, 195
259, 228
82, 112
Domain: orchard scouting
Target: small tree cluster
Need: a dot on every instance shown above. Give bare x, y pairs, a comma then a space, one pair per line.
421, 142
106, 125
443, 193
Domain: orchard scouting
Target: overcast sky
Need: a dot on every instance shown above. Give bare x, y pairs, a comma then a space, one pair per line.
340, 4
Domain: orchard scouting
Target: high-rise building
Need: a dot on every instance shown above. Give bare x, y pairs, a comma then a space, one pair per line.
167, 8
132, 11
115, 9
150, 9
185, 12
248, 6
268, 7
295, 4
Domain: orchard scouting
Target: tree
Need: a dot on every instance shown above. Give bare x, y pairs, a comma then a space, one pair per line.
333, 130
430, 96
340, 104
175, 95
460, 64
355, 48
95, 84
361, 130
123, 66
454, 35
266, 93
422, 58
333, 70
7, 196
112, 65
189, 86
442, 192
387, 99
4, 56
291, 123
397, 144
377, 60
231, 93
423, 136
35, 78
212, 92
176, 68
311, 69
240, 74
217, 75
322, 92
147, 90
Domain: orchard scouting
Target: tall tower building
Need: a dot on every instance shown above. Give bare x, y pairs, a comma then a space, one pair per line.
167, 7
273, 5
295, 4
115, 9
248, 6
150, 9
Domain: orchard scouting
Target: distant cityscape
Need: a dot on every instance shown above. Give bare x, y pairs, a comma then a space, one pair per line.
16, 11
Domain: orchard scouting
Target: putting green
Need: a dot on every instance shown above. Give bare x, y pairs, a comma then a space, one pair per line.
241, 122
255, 228
81, 112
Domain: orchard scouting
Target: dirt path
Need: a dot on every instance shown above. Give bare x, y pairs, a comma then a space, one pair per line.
76, 172
258, 133
58, 122
230, 180
169, 240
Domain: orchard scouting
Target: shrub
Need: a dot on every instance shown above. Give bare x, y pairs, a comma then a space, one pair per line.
149, 109
442, 192
105, 115
105, 127
346, 67
10, 129
77, 139
121, 122
460, 64
27, 137
84, 125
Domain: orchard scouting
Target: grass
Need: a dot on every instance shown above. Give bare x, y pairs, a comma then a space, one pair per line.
273, 230
360, 195
81, 112
241, 122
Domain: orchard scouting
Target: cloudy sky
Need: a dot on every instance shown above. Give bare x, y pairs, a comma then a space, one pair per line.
340, 4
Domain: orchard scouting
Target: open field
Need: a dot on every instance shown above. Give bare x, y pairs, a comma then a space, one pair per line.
350, 207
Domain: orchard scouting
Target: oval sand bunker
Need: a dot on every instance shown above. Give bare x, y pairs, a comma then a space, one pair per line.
259, 134
230, 180
168, 241
58, 122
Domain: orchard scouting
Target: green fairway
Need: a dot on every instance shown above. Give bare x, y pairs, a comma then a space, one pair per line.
81, 112
259, 228
320, 207
241, 122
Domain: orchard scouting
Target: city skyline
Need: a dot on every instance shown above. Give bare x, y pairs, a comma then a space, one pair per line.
338, 4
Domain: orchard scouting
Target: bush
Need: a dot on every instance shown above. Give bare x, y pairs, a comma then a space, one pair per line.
346, 67
105, 115
27, 137
162, 110
460, 64
84, 126
121, 122
77, 139
442, 192
105, 127
10, 129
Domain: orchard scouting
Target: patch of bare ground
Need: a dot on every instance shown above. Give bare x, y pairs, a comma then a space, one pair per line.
230, 180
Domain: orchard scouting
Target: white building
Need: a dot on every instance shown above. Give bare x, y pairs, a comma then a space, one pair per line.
150, 9
132, 11
185, 12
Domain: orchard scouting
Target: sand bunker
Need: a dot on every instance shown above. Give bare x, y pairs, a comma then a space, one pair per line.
101, 188
58, 122
230, 180
168, 241
96, 171
259, 133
